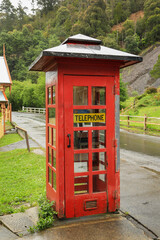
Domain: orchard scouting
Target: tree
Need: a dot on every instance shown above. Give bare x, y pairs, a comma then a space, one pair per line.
152, 18
21, 14
93, 22
47, 5
123, 92
132, 43
8, 15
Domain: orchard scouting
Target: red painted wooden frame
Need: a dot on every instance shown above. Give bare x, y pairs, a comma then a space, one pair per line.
109, 200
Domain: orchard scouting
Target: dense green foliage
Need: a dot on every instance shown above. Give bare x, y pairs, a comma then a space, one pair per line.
28, 94
51, 21
46, 215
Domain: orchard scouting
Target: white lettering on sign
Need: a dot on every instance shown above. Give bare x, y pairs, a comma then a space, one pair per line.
89, 117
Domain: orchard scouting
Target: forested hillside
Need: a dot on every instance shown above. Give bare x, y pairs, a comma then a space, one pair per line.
25, 36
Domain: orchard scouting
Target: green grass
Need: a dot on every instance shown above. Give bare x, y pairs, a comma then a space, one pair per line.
22, 180
145, 104
9, 139
8, 125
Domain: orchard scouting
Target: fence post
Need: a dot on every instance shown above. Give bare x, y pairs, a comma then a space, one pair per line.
128, 120
145, 122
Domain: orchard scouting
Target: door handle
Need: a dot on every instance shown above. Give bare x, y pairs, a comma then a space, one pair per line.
69, 136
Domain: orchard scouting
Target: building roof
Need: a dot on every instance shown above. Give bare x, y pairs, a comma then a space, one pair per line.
81, 46
5, 77
3, 97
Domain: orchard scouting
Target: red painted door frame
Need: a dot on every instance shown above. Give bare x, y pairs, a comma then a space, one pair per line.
75, 205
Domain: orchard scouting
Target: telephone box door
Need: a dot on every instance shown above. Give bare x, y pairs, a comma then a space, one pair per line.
89, 133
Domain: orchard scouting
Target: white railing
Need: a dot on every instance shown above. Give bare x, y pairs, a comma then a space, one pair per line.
34, 110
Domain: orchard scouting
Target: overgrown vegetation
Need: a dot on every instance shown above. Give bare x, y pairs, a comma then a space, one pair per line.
27, 93
147, 104
22, 180
45, 214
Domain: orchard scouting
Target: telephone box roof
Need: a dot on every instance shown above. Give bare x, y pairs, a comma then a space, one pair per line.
5, 77
81, 46
3, 97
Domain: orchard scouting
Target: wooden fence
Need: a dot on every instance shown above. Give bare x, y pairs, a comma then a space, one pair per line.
1, 127
8, 112
140, 121
34, 110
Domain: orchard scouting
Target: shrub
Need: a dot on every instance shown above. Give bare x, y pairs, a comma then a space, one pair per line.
46, 215
134, 94
151, 90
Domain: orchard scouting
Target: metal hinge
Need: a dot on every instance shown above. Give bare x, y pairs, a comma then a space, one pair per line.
114, 143
115, 194
114, 90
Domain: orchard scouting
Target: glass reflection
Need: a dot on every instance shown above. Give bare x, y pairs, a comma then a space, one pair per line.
98, 161
53, 95
54, 180
52, 116
80, 139
98, 139
49, 95
81, 162
98, 96
80, 95
81, 185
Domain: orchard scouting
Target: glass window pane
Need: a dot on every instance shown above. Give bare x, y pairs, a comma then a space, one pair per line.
89, 117
50, 135
54, 180
98, 161
81, 185
54, 137
54, 159
80, 95
49, 95
99, 139
81, 162
99, 183
53, 94
49, 155
50, 175
52, 116
98, 96
80, 139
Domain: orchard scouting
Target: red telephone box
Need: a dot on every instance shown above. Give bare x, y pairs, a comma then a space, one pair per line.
82, 125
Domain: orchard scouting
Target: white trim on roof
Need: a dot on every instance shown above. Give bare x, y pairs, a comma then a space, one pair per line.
4, 75
2, 97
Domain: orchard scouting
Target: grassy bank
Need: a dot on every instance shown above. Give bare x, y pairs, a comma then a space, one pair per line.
22, 177
22, 180
9, 139
144, 105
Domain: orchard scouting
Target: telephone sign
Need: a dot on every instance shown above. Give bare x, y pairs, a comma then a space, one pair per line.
89, 117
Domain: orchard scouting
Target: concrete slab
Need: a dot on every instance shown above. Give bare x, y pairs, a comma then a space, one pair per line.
140, 194
5, 234
115, 228
32, 213
18, 223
